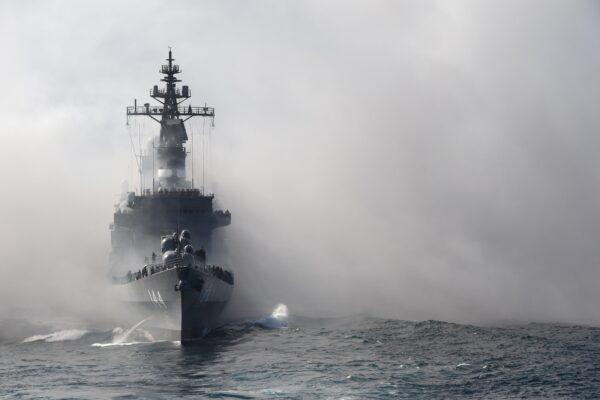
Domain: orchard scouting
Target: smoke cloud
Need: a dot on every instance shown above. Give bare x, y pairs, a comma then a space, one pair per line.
406, 159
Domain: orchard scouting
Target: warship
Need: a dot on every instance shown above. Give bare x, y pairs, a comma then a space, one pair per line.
161, 235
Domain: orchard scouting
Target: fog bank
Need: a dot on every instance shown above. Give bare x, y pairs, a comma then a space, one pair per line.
406, 159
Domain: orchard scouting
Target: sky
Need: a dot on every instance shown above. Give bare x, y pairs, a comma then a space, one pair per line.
405, 159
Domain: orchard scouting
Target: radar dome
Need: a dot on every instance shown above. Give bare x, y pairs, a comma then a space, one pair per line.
167, 244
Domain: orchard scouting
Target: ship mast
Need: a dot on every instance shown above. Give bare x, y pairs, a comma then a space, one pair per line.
171, 98
171, 116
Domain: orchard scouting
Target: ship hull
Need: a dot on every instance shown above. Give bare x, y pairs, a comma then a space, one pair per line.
180, 303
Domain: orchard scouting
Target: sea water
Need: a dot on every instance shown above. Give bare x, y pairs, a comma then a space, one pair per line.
281, 356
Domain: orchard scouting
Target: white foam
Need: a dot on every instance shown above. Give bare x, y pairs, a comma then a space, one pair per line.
60, 336
115, 344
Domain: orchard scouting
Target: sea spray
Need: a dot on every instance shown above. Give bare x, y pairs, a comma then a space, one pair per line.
120, 337
59, 336
277, 319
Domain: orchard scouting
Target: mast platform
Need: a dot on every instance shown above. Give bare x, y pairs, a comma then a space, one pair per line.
181, 111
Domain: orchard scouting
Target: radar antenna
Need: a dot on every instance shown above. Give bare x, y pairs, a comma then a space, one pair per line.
170, 97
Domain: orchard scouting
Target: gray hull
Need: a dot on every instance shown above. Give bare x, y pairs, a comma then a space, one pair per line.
181, 302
